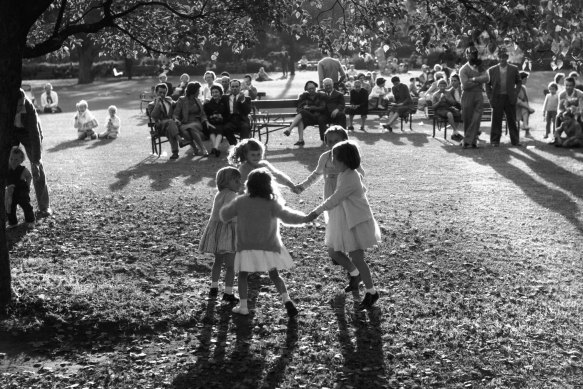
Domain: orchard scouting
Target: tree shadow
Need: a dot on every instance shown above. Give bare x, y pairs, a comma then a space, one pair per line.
365, 355
100, 142
162, 171
555, 200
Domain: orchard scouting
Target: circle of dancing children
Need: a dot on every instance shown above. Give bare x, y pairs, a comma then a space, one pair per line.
85, 122
17, 191
219, 238
351, 225
113, 123
249, 154
259, 244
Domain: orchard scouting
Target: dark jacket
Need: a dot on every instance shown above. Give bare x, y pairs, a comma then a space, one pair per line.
513, 82
316, 102
334, 101
217, 112
32, 126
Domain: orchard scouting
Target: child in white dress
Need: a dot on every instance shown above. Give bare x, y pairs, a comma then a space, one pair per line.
326, 168
113, 123
249, 154
85, 122
219, 238
351, 226
259, 245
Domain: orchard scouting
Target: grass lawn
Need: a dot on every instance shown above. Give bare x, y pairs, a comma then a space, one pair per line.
480, 267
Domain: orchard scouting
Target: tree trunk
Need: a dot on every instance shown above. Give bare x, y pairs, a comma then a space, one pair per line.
12, 43
86, 54
129, 62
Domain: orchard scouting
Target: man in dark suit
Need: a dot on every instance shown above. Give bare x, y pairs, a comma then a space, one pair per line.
502, 90
239, 109
160, 111
335, 105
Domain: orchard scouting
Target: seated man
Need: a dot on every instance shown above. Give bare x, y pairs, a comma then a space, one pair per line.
335, 104
49, 100
161, 111
572, 129
239, 109
455, 90
403, 103
570, 100
248, 88
447, 108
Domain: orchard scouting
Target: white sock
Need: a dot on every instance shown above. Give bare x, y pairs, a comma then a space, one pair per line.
228, 289
285, 297
243, 303
371, 290
214, 284
354, 273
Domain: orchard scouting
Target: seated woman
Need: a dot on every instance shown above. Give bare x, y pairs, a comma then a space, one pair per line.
181, 88
311, 107
190, 117
523, 108
262, 75
209, 77
379, 95
217, 111
358, 105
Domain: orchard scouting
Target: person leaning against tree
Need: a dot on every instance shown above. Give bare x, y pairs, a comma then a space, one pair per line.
27, 131
472, 79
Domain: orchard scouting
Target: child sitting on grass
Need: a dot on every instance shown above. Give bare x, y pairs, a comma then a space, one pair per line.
113, 124
17, 192
572, 130
219, 238
85, 122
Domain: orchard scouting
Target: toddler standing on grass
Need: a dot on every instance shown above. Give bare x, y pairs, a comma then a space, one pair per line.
85, 122
249, 154
550, 108
351, 225
219, 238
259, 245
17, 192
113, 124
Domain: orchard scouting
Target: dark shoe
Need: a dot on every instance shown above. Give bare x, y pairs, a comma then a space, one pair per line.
214, 292
369, 300
546, 136
517, 144
299, 143
217, 153
93, 137
350, 128
465, 145
230, 298
42, 214
353, 284
214, 151
287, 133
291, 309
174, 155
457, 137
474, 145
389, 128
183, 142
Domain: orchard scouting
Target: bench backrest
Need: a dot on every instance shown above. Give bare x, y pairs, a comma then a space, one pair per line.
275, 104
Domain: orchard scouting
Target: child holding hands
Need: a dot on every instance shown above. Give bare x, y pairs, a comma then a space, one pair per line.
85, 122
17, 191
113, 124
219, 237
249, 154
351, 226
259, 245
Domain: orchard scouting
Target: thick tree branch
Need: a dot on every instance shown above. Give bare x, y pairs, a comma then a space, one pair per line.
59, 20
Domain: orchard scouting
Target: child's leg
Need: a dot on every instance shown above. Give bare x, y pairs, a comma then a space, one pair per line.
28, 211
229, 259
301, 130
357, 257
548, 126
340, 258
216, 270
279, 284
242, 284
81, 135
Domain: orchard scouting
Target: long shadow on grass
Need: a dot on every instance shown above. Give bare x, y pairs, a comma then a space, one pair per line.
161, 171
69, 144
242, 365
553, 199
363, 360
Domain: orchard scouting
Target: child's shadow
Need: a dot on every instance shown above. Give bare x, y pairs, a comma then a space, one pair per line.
366, 354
